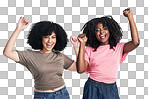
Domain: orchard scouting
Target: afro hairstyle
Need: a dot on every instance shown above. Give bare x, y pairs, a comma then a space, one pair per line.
45, 28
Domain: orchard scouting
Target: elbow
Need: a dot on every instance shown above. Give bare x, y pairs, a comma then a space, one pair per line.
80, 72
80, 67
4, 53
136, 43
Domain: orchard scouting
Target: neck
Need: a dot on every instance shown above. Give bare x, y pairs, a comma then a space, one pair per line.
45, 51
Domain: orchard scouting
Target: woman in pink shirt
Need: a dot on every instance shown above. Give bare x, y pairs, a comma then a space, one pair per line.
103, 54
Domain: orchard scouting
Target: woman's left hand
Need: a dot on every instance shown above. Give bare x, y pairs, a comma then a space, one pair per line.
134, 43
74, 41
127, 12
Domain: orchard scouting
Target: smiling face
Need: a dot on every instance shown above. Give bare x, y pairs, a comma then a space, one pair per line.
48, 42
102, 34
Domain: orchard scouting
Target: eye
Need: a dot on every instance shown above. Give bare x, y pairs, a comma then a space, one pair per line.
105, 28
97, 30
53, 37
45, 36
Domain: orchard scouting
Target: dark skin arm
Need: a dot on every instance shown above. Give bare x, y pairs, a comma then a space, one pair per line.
131, 45
81, 63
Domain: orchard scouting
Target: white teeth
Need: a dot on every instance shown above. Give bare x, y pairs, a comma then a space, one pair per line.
102, 36
49, 44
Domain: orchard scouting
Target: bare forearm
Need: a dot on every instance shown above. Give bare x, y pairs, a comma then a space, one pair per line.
11, 42
134, 32
81, 66
76, 49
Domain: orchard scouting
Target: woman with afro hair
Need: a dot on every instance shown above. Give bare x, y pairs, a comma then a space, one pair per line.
103, 54
45, 62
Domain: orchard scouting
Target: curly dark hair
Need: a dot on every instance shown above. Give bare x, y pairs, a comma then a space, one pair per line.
107, 21
45, 28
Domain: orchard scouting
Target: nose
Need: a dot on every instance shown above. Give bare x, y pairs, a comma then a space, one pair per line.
102, 31
49, 40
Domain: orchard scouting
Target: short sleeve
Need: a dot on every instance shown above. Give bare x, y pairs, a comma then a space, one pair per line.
86, 54
67, 61
23, 57
123, 55
87, 58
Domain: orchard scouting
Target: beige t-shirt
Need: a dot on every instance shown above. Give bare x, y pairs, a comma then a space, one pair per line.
46, 68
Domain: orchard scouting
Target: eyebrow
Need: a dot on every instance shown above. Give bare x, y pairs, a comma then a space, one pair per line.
51, 35
103, 27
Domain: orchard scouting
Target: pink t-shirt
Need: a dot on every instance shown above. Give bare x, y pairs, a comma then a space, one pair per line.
104, 63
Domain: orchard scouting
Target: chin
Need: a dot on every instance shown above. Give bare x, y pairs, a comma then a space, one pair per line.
49, 49
103, 42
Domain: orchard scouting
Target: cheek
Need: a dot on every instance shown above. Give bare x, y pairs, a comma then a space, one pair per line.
97, 34
44, 41
108, 34
54, 40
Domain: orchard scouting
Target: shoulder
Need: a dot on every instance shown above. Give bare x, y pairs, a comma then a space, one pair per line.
27, 52
57, 54
62, 55
120, 44
89, 48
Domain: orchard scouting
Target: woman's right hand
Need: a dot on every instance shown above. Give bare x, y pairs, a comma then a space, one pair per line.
81, 63
22, 23
82, 39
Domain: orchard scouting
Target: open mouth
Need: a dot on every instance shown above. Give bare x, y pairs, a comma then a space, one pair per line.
49, 45
102, 36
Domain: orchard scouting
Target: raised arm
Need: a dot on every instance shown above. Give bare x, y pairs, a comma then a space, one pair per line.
9, 51
131, 45
81, 63
75, 44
